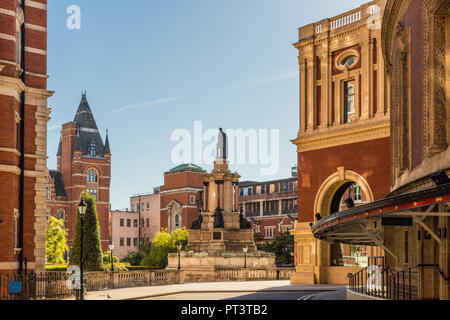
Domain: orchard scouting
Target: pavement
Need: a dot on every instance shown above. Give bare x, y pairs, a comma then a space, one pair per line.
250, 290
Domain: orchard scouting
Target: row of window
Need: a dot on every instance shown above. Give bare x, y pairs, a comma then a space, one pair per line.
287, 186
135, 222
286, 204
135, 242
269, 231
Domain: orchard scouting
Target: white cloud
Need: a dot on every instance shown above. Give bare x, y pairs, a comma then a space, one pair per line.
145, 104
266, 80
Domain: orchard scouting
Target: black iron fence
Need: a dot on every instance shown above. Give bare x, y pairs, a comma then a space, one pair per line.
56, 285
34, 286
380, 281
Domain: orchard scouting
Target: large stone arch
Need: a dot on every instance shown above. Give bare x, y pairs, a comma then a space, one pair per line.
323, 202
331, 185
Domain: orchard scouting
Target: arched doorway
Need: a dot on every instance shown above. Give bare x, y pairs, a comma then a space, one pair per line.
342, 190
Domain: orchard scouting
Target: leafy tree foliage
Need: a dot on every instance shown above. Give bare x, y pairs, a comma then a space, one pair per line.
164, 243
282, 246
92, 250
55, 241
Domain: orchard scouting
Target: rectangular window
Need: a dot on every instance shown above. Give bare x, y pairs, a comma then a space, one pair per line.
143, 206
135, 223
135, 242
121, 222
148, 206
192, 199
132, 207
48, 192
128, 222
269, 232
349, 101
122, 243
148, 222
128, 242
92, 192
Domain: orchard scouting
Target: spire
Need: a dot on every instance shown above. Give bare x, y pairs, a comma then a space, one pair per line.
88, 136
59, 153
107, 149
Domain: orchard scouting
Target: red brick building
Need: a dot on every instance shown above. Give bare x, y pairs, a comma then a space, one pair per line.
270, 206
84, 164
343, 142
23, 133
181, 196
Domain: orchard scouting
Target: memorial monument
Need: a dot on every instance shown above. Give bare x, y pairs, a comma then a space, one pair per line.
221, 237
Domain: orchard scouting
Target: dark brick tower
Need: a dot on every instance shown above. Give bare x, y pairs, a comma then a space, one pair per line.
84, 164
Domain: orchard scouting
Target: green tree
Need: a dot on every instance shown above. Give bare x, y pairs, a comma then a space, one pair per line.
282, 246
92, 251
164, 243
55, 241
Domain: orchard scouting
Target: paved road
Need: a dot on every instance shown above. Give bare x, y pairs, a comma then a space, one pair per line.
236, 296
251, 290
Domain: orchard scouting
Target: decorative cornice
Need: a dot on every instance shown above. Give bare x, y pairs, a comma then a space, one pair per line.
342, 136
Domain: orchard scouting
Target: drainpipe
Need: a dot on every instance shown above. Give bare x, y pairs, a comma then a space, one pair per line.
22, 144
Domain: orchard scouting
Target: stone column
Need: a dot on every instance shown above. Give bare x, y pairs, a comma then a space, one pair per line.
228, 196
236, 197
205, 197
261, 208
212, 196
280, 206
221, 196
303, 112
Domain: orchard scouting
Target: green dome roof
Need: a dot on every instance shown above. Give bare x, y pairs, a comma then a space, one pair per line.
186, 166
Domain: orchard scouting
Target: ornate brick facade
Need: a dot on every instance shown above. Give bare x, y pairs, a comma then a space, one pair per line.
343, 139
23, 133
84, 164
181, 196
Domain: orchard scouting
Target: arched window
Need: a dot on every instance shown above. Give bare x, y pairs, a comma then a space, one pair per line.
91, 176
177, 221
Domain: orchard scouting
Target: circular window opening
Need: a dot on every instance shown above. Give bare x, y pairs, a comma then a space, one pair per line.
349, 61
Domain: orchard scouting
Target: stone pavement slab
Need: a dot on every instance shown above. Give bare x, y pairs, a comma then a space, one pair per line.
213, 287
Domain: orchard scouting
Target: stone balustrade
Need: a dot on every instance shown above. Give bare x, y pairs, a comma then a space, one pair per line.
253, 274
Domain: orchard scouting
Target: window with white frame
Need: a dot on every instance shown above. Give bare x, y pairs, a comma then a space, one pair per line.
269, 232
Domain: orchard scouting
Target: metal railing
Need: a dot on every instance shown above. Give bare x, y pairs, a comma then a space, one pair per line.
54, 285
380, 281
34, 286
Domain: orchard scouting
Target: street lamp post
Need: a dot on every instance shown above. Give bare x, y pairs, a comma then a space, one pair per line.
179, 246
111, 248
82, 212
245, 249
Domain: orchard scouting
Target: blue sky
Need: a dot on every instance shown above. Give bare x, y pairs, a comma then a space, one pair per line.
153, 66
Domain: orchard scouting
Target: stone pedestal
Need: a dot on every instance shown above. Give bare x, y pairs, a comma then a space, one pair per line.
220, 240
202, 266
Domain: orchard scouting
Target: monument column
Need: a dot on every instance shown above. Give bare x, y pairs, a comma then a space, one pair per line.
236, 197
205, 197
212, 196
228, 196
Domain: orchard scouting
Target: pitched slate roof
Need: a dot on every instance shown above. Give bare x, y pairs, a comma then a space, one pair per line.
87, 130
60, 189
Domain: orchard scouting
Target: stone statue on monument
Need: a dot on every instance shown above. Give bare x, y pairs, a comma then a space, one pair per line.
221, 150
